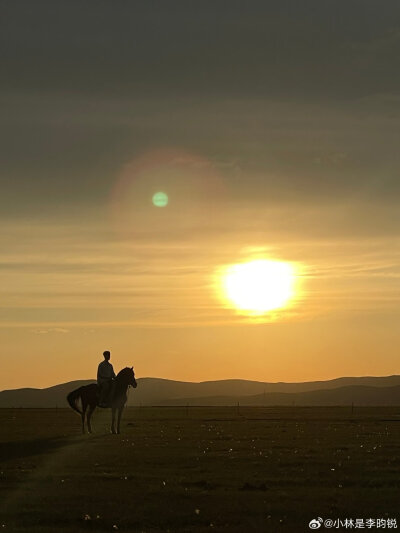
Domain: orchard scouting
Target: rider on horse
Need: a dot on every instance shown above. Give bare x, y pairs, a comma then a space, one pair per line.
105, 376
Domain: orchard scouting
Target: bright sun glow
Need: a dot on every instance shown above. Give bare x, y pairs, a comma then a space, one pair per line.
259, 286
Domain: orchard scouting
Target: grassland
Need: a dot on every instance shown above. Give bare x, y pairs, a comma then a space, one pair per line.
198, 469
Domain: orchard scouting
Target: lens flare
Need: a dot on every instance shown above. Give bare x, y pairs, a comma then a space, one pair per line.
160, 199
141, 199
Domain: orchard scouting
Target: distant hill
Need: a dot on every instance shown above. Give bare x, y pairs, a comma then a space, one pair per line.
155, 391
360, 395
50, 397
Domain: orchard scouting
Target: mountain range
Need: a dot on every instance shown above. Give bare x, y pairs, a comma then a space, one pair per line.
361, 391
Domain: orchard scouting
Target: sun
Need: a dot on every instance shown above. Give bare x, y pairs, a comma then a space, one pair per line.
258, 286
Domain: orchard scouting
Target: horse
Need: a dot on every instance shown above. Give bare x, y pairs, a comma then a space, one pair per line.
89, 396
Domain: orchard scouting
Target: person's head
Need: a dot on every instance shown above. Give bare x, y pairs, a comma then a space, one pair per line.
106, 355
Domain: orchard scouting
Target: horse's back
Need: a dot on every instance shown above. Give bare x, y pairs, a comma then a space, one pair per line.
91, 387
84, 392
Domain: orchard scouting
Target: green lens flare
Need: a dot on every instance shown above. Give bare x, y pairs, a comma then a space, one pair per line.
160, 199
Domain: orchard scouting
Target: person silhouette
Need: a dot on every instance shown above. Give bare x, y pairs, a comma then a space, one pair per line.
105, 376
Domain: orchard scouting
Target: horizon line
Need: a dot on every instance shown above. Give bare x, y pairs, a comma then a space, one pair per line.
214, 381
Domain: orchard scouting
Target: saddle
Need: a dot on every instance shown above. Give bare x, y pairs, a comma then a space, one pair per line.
105, 395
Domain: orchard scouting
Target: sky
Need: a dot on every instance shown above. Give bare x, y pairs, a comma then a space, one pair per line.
272, 126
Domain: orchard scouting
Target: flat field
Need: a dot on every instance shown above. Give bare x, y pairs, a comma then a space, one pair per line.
198, 469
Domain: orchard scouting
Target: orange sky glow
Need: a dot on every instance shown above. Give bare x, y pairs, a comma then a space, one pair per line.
152, 153
144, 282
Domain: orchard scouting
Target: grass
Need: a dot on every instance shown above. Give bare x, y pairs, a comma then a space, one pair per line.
198, 469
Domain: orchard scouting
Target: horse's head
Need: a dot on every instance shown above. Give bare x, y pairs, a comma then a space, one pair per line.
127, 376
132, 378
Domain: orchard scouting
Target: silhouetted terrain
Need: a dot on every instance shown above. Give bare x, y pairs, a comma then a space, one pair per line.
154, 391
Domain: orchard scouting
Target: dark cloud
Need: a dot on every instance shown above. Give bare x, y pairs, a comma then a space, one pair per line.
289, 100
290, 48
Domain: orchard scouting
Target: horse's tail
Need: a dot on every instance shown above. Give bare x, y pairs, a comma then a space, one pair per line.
73, 398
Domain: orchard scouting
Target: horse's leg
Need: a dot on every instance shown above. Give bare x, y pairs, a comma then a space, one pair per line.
113, 420
89, 416
119, 418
